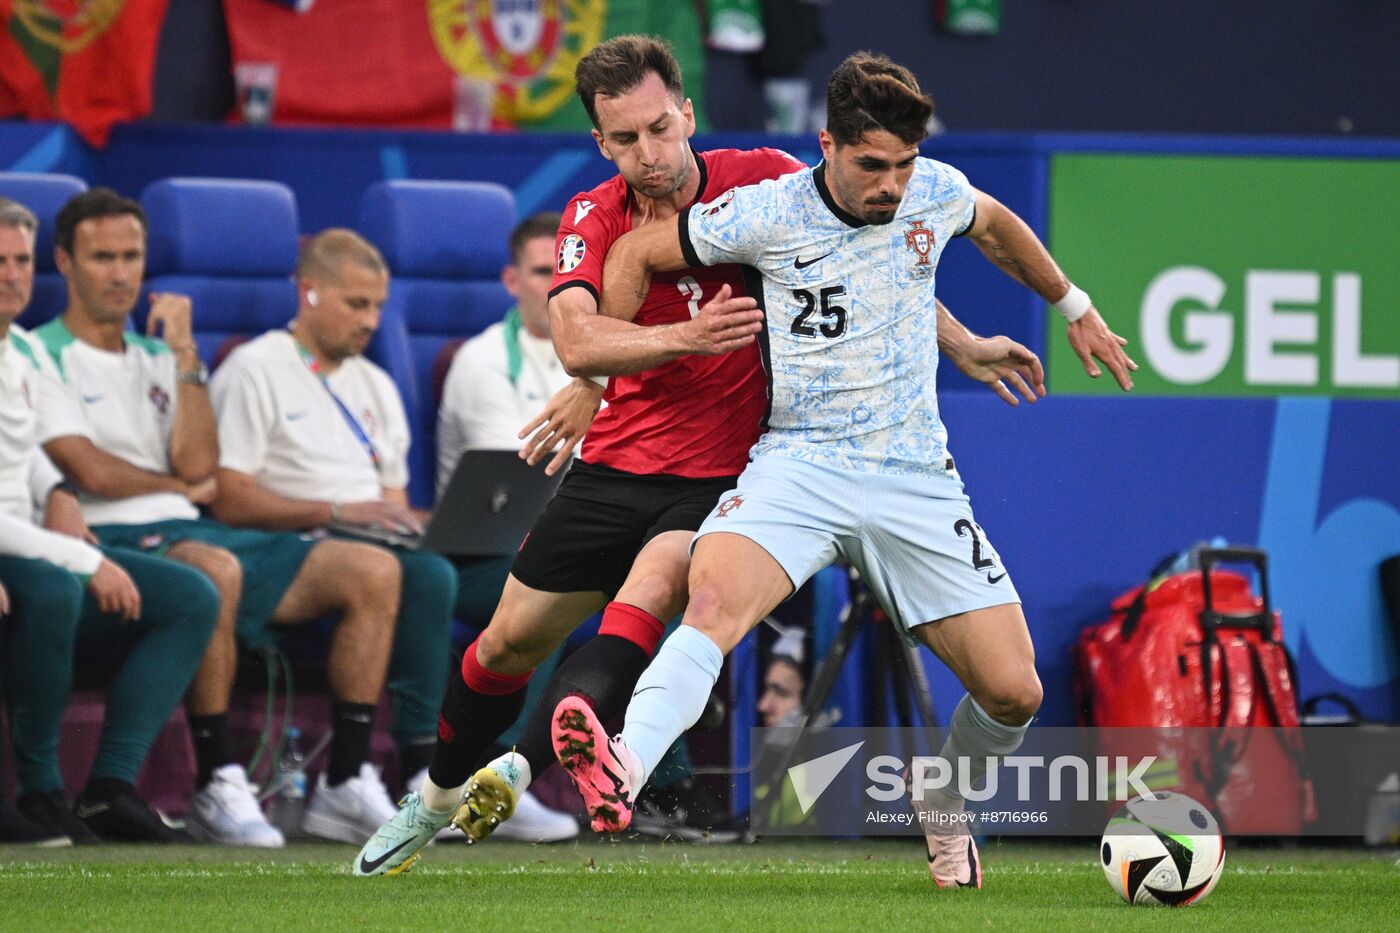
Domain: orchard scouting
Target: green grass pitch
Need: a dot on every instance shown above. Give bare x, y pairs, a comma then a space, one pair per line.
598, 884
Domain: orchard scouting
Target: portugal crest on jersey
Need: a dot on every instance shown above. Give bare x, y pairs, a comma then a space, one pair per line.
159, 398
919, 239
729, 505
527, 48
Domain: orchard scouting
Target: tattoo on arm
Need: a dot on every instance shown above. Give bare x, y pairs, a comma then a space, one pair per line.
1008, 263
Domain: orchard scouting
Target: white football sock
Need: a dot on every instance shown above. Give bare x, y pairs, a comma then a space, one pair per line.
514, 770
972, 737
440, 799
671, 695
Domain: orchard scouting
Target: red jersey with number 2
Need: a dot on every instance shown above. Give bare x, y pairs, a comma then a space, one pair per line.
695, 416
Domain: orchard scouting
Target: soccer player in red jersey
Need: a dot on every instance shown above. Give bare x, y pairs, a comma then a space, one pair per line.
685, 403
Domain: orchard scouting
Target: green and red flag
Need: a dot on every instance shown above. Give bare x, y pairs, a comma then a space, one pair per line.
465, 64
87, 62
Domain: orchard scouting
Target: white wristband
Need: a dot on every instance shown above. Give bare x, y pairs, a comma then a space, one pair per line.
601, 381
1074, 304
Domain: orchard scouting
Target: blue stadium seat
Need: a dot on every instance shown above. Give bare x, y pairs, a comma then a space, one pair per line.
445, 243
44, 195
230, 245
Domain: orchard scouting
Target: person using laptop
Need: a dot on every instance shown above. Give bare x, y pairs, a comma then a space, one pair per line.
312, 433
497, 382
132, 429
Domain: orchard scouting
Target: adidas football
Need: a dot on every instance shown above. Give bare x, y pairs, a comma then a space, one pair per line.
1163, 848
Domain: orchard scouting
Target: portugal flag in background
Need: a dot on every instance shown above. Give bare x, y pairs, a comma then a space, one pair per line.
88, 62
464, 64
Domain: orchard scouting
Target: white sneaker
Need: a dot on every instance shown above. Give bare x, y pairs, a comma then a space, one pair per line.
352, 810
532, 821
226, 811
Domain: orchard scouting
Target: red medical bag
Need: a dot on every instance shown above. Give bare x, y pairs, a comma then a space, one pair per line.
1197, 652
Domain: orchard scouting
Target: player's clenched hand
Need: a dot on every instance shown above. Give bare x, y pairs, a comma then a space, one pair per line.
1091, 340
560, 426
114, 592
725, 323
171, 319
999, 361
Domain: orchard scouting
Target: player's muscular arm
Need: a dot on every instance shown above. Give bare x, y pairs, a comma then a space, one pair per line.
1014, 248
105, 475
590, 344
594, 344
655, 247
954, 339
992, 361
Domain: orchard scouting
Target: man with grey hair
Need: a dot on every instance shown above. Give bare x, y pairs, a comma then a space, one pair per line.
144, 454
313, 434
59, 592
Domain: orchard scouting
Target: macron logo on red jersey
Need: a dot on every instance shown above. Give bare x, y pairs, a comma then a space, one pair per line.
583, 208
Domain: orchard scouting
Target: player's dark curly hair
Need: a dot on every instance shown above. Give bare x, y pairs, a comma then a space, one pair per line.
869, 92
99, 202
617, 66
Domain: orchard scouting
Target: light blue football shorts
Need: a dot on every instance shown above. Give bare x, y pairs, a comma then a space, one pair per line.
912, 538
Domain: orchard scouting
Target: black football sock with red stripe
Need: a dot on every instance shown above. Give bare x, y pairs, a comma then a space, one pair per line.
479, 706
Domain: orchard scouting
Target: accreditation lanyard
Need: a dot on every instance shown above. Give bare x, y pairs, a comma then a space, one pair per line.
355, 427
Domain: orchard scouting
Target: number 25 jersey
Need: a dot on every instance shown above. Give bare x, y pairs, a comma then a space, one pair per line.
851, 342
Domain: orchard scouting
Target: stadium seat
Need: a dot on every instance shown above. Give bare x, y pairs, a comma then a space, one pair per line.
45, 195
445, 243
231, 246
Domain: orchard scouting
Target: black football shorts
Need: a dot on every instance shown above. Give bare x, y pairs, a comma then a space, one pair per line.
599, 520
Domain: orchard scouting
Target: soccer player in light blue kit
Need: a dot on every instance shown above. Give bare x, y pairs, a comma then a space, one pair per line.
855, 459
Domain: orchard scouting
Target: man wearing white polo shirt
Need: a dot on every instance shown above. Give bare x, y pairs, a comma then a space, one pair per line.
143, 452
312, 434
64, 593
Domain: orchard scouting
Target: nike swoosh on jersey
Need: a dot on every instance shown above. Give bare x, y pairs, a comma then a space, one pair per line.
797, 262
92, 399
995, 579
368, 865
295, 415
